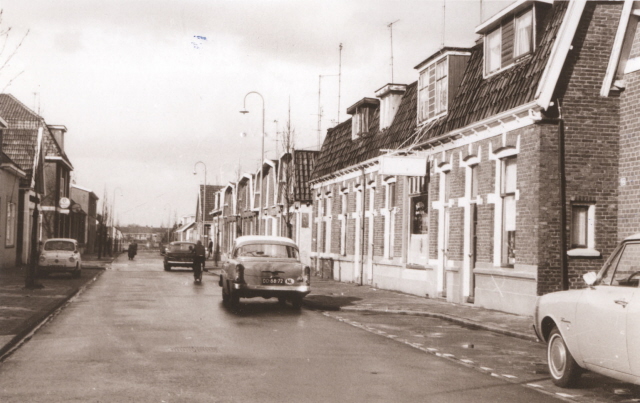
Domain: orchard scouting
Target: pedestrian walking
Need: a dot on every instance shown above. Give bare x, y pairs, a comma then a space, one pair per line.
210, 248
133, 250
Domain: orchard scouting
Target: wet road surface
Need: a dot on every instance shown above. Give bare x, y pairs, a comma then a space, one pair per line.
141, 334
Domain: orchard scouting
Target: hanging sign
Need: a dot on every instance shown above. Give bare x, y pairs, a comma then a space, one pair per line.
405, 165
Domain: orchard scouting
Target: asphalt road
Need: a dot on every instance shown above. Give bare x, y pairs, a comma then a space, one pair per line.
140, 334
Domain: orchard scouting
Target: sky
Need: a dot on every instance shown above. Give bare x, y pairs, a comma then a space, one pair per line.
148, 88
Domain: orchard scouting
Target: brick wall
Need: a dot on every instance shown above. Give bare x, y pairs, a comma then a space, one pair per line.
591, 132
629, 168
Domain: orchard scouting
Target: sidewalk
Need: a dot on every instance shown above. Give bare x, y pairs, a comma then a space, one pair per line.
23, 310
330, 295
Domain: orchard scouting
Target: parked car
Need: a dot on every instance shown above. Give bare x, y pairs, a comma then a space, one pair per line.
179, 254
598, 327
60, 255
265, 266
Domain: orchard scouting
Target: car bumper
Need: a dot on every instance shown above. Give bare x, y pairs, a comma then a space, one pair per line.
268, 291
179, 263
56, 269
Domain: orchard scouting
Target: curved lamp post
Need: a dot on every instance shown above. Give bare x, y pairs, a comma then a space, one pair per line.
244, 111
204, 197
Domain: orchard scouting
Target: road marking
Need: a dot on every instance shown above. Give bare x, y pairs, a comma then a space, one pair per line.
467, 361
567, 395
535, 385
509, 376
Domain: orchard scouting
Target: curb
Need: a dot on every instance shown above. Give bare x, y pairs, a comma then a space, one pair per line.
29, 327
450, 318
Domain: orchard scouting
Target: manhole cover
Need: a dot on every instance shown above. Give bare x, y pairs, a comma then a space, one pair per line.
194, 349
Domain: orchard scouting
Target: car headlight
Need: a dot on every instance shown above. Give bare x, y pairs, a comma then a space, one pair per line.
72, 259
42, 258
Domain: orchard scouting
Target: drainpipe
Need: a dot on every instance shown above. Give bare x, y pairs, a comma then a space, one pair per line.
564, 272
364, 195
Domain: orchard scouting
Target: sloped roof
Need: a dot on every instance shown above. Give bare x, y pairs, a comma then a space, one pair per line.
339, 151
209, 200
303, 167
19, 139
477, 99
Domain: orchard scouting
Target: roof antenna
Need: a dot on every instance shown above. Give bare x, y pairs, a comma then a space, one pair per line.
391, 37
339, 80
444, 19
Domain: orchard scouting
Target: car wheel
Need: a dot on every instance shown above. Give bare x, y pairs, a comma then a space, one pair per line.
76, 272
296, 302
225, 294
167, 267
563, 368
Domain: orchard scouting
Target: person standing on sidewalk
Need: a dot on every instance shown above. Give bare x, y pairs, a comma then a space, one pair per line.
210, 248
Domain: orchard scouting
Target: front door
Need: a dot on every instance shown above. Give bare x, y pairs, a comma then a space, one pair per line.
445, 252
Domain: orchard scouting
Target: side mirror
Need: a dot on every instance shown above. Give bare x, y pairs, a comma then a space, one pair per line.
590, 278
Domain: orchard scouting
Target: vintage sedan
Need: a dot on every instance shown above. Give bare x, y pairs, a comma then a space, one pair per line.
179, 254
598, 327
265, 266
60, 255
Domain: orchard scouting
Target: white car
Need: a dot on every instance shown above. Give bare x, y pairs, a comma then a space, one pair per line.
598, 327
60, 255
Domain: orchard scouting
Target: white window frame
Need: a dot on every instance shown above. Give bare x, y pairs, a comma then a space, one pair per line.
487, 51
327, 210
344, 198
516, 38
389, 214
506, 194
10, 239
441, 89
588, 250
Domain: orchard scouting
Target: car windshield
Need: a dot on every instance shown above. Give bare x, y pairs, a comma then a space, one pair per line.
180, 247
59, 245
268, 250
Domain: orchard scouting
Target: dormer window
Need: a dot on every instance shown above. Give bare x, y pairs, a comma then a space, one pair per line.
440, 76
362, 113
511, 34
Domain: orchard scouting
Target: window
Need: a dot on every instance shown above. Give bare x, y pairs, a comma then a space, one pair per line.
493, 51
11, 224
343, 223
524, 34
508, 193
360, 122
579, 225
474, 182
622, 266
391, 195
433, 90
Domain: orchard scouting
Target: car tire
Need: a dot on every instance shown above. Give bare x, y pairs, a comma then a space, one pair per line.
563, 368
225, 293
76, 273
167, 267
296, 302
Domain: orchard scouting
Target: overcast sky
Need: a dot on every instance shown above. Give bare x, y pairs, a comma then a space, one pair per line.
148, 88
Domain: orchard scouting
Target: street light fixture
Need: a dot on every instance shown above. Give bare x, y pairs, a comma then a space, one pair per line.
204, 197
245, 111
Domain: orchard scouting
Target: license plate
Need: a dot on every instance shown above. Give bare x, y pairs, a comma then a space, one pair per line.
272, 281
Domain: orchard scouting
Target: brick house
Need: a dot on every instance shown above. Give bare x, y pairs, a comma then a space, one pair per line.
531, 165
10, 176
20, 141
204, 222
84, 219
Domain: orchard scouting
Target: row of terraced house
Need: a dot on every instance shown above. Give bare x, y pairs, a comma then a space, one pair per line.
504, 172
35, 175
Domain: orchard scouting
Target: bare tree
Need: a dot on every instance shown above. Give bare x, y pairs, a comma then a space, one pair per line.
7, 52
287, 177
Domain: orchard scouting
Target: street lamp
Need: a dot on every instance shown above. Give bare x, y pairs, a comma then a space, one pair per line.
244, 111
204, 197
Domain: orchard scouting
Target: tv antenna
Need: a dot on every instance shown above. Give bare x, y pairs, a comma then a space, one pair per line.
390, 25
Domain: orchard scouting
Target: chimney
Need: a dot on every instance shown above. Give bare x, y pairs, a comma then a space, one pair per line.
390, 98
58, 132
